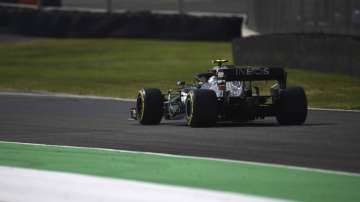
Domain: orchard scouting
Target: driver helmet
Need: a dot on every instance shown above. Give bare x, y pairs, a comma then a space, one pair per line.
215, 69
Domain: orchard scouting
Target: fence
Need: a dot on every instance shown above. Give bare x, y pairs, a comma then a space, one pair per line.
307, 16
171, 6
263, 16
67, 23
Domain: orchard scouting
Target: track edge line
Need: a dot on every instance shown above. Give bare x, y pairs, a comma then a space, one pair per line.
307, 169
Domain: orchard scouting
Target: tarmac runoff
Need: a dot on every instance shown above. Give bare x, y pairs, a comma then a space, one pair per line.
29, 185
191, 158
110, 174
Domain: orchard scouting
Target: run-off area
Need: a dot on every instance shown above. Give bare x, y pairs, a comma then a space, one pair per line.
231, 177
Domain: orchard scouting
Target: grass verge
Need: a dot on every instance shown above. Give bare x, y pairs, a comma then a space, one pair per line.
261, 180
119, 67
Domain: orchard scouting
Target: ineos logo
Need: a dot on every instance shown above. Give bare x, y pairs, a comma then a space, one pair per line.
252, 71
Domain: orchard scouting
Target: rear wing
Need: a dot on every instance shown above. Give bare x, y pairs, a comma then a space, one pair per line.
254, 74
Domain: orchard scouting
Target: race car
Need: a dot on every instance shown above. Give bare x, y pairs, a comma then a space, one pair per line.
224, 93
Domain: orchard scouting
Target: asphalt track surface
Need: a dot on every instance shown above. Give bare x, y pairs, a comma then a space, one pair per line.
328, 140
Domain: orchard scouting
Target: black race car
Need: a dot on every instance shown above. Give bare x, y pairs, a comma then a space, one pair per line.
224, 93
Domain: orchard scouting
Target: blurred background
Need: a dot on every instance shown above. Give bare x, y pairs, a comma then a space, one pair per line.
317, 41
335, 16
264, 16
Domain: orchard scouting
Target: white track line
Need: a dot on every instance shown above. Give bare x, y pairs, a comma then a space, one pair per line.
93, 97
198, 158
65, 95
334, 110
28, 185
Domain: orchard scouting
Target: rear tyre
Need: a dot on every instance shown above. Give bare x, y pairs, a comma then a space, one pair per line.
149, 106
201, 108
292, 106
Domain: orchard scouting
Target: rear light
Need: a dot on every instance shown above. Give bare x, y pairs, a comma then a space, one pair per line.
222, 86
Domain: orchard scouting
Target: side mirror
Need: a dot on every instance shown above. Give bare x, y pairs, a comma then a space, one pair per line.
180, 83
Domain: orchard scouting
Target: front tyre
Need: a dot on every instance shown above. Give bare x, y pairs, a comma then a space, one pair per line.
292, 106
201, 108
149, 106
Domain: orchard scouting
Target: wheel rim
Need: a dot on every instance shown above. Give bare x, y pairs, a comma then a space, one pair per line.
140, 107
188, 110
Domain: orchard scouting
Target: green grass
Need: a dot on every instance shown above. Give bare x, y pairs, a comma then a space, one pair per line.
328, 90
119, 67
270, 181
